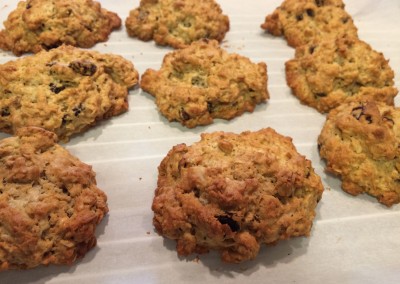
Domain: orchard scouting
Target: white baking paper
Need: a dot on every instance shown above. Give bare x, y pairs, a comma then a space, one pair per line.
353, 240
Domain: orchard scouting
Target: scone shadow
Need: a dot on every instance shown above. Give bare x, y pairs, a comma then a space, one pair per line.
37, 275
235, 124
268, 257
92, 133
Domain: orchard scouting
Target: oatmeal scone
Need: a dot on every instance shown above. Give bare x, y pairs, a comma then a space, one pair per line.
326, 73
177, 23
65, 90
302, 21
233, 192
361, 144
49, 202
37, 25
203, 81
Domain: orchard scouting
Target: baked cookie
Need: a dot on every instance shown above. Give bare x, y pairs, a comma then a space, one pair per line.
325, 74
177, 23
361, 144
49, 202
202, 82
64, 90
302, 21
233, 192
44, 24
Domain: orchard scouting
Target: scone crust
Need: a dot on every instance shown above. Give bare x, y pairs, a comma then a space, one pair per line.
233, 192
44, 24
326, 73
64, 90
49, 202
302, 21
202, 82
360, 143
177, 23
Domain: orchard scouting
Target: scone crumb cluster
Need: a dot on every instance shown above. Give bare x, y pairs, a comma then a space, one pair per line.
361, 143
233, 192
177, 23
203, 81
37, 25
328, 72
65, 90
302, 21
49, 202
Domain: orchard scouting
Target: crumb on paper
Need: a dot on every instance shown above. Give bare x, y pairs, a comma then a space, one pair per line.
148, 232
225, 43
140, 178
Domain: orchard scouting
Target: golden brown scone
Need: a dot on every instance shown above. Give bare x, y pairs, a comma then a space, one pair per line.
49, 202
44, 24
361, 144
303, 21
326, 73
177, 23
233, 192
202, 82
65, 90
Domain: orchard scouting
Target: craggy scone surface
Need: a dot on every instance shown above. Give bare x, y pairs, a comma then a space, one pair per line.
233, 192
44, 24
302, 21
49, 202
361, 143
177, 23
202, 82
64, 90
326, 73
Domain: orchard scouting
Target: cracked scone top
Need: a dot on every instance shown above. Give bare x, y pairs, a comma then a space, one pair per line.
302, 21
49, 202
203, 81
65, 90
326, 73
360, 143
177, 23
233, 192
44, 24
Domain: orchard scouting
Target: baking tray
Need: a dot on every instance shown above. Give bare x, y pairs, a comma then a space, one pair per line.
353, 240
